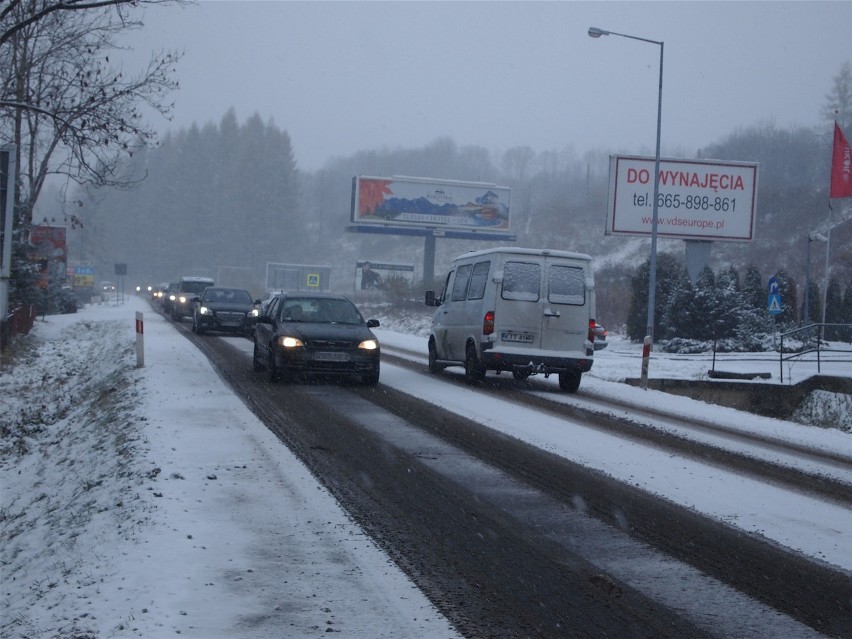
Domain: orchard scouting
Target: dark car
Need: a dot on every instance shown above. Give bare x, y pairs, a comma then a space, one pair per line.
223, 309
315, 333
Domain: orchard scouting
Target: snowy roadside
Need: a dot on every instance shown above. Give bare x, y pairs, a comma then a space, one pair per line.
151, 502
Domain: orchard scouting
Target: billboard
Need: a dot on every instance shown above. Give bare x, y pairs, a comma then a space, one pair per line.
698, 199
375, 275
48, 247
429, 203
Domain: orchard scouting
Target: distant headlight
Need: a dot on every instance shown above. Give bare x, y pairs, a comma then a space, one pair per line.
205, 311
369, 345
254, 312
290, 342
172, 297
138, 289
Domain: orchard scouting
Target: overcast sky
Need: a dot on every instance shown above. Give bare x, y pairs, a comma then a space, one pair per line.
342, 77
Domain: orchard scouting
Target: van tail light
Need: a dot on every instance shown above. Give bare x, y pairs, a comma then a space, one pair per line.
592, 331
488, 323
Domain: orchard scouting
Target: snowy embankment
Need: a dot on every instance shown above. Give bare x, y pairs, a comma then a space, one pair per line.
150, 502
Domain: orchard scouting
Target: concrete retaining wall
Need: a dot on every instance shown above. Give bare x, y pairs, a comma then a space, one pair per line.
769, 400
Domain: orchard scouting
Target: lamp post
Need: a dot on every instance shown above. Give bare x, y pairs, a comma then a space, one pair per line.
811, 238
595, 32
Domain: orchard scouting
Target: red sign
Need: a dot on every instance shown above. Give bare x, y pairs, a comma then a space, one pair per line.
50, 249
841, 166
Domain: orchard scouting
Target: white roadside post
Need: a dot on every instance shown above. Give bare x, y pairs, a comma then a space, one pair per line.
140, 341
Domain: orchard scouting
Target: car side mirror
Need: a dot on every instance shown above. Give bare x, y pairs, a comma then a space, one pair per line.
430, 299
372, 323
264, 319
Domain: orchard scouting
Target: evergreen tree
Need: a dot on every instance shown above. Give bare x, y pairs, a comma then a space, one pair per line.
677, 317
706, 306
729, 302
789, 300
754, 292
814, 311
668, 268
846, 313
833, 310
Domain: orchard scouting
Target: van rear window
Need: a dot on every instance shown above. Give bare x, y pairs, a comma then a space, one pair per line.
566, 285
521, 281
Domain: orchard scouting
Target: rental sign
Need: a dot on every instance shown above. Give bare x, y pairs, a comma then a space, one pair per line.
698, 200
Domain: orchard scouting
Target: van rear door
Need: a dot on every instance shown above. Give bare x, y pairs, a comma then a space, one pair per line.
566, 305
521, 303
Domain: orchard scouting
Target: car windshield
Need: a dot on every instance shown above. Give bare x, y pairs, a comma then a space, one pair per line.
320, 311
230, 295
194, 287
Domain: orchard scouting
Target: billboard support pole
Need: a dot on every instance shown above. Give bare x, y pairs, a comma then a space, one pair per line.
428, 259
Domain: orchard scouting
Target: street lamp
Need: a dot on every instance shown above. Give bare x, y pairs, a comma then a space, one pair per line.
812, 237
594, 32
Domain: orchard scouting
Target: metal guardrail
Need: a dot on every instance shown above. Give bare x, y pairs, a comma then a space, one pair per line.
812, 341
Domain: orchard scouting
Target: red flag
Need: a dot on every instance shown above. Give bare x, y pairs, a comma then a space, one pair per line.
841, 166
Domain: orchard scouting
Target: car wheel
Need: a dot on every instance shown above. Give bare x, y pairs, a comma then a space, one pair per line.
256, 364
569, 381
474, 372
434, 366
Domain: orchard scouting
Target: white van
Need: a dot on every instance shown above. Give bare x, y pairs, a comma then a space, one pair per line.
524, 311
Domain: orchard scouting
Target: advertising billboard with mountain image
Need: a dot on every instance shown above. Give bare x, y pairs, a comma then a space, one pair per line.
429, 203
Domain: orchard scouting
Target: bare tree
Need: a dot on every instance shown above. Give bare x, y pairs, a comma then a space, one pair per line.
838, 101
62, 102
16, 15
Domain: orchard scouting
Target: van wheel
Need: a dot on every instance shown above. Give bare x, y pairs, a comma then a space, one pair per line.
434, 366
474, 372
569, 381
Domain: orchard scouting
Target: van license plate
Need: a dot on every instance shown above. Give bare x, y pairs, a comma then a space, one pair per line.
524, 338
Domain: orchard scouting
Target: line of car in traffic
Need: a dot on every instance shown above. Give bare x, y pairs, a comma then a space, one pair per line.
294, 334
302, 333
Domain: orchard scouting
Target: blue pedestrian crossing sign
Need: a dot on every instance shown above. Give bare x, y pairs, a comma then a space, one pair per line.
774, 301
775, 304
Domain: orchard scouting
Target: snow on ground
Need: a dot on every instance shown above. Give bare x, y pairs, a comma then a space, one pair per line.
149, 502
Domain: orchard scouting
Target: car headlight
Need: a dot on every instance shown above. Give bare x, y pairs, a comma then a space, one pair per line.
172, 298
290, 342
205, 311
254, 312
182, 299
369, 345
